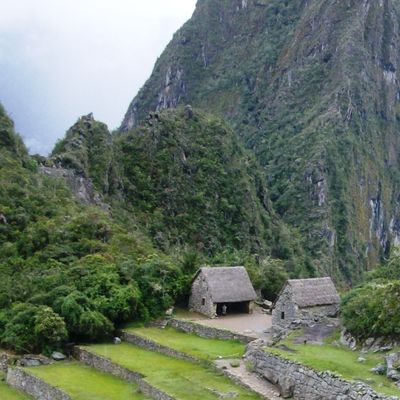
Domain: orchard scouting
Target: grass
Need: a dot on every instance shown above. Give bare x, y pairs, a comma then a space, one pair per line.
8, 393
184, 313
196, 346
181, 379
339, 360
85, 383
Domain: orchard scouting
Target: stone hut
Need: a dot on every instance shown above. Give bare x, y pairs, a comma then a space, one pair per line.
214, 288
304, 301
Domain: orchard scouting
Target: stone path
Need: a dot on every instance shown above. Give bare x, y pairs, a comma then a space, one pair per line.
249, 379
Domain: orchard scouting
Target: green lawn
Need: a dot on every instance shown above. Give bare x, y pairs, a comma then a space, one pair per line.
8, 393
84, 383
181, 379
201, 348
340, 360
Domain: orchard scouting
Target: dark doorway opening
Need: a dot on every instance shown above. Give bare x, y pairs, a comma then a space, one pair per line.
234, 308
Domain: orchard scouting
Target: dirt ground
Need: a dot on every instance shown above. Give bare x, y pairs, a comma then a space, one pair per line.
257, 324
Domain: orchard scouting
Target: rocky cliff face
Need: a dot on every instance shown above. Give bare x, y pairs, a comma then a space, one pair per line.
312, 87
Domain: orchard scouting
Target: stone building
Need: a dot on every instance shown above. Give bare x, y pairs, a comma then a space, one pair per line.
304, 301
219, 288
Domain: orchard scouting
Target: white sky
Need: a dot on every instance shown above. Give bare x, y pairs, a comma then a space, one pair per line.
60, 59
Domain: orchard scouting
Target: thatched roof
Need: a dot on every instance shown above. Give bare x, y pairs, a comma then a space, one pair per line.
228, 284
313, 292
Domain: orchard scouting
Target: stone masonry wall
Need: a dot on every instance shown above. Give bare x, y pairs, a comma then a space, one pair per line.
207, 331
303, 383
153, 346
105, 365
317, 313
35, 387
3, 363
199, 292
285, 305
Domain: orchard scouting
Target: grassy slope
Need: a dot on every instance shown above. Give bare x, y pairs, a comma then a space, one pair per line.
181, 379
70, 377
341, 361
204, 349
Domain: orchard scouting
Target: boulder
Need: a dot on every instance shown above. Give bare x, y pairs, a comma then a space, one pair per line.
32, 360
380, 369
392, 365
169, 312
117, 340
361, 360
57, 356
346, 339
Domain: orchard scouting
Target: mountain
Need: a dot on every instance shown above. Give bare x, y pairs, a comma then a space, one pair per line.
186, 179
312, 89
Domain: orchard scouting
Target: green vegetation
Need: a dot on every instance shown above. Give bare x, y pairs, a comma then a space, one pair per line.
87, 149
201, 348
69, 271
8, 393
193, 184
339, 360
181, 379
373, 309
83, 383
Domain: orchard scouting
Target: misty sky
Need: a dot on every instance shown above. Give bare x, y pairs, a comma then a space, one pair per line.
60, 59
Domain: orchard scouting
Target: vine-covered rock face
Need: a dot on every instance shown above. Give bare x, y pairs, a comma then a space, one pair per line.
312, 88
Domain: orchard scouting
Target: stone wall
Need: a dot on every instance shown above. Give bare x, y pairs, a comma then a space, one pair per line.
35, 387
207, 331
303, 383
153, 346
284, 305
3, 363
106, 365
200, 292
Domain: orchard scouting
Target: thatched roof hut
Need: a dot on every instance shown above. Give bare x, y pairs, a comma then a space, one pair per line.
305, 301
212, 287
313, 292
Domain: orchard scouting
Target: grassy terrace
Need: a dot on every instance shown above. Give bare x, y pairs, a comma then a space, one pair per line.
181, 379
339, 360
201, 348
84, 383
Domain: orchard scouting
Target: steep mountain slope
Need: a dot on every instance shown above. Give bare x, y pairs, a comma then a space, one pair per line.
312, 88
194, 184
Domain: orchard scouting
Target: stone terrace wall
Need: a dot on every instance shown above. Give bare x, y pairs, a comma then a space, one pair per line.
30, 384
303, 383
4, 363
207, 331
153, 346
105, 365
